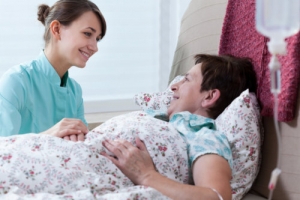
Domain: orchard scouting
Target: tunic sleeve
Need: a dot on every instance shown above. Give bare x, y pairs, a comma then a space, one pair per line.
207, 141
80, 112
12, 97
80, 108
201, 136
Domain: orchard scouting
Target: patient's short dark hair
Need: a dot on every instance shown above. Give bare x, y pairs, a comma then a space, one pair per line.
230, 75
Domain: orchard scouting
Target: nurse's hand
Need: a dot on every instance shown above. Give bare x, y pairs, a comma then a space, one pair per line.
75, 138
69, 129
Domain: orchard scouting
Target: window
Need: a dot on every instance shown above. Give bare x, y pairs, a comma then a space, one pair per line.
134, 56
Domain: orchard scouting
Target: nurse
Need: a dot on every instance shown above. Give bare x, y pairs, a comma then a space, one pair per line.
39, 96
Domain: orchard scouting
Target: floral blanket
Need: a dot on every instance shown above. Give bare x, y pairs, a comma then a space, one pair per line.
43, 167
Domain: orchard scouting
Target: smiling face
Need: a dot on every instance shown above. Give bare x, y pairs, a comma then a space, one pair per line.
78, 41
187, 95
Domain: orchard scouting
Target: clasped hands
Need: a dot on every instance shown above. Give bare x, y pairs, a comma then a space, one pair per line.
68, 129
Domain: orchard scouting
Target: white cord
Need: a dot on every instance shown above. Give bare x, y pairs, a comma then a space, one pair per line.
277, 130
276, 172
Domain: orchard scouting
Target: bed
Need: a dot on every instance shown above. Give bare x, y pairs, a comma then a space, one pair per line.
45, 167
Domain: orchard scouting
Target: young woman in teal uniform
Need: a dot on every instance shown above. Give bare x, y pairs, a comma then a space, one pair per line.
39, 96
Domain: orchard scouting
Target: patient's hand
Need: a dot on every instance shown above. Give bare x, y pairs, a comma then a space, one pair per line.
134, 162
69, 129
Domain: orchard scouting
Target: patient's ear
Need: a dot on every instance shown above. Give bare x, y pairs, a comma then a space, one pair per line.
210, 98
55, 29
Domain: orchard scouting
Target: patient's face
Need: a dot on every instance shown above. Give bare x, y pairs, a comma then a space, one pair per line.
187, 95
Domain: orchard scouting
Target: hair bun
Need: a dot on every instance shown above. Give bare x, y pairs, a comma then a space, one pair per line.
43, 11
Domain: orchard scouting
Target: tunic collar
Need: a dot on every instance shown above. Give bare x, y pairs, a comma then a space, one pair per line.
46, 68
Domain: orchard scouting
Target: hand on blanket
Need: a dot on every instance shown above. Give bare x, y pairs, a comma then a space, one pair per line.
134, 162
68, 129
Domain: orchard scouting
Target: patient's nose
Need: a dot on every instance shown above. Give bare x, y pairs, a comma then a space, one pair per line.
174, 87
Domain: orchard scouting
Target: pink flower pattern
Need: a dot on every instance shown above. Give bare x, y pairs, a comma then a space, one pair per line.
241, 123
45, 167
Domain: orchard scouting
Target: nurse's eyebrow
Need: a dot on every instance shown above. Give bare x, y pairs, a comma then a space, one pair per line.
92, 29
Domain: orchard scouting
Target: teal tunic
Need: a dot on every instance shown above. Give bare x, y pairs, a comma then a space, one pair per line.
33, 98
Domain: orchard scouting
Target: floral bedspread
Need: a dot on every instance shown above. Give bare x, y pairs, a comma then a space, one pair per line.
43, 167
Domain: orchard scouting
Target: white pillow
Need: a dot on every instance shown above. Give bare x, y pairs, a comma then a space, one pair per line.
156, 104
241, 123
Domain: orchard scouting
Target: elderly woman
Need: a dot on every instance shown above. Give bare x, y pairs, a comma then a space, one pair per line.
207, 89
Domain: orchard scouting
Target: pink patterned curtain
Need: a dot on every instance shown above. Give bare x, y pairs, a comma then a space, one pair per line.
240, 38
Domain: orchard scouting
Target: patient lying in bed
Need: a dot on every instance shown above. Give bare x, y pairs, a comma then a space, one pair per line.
43, 166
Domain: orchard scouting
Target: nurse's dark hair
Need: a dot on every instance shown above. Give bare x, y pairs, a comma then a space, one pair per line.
66, 11
230, 75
